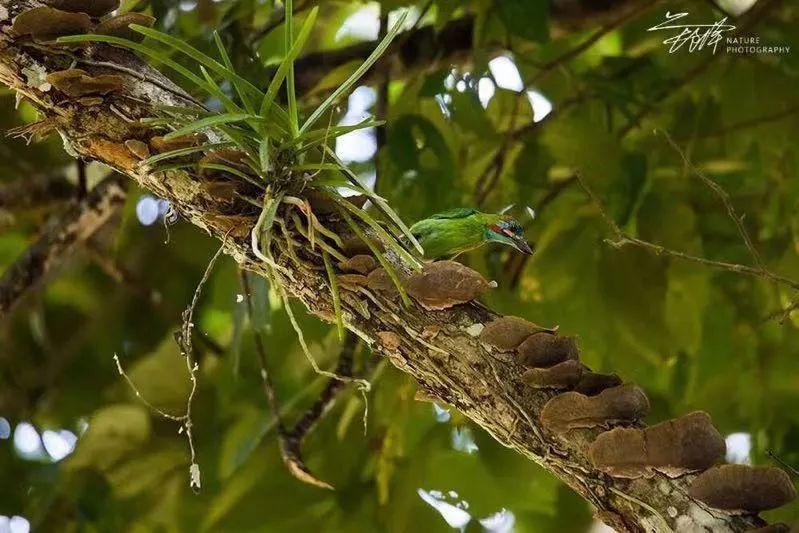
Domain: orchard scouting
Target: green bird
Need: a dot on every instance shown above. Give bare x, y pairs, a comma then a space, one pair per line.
459, 230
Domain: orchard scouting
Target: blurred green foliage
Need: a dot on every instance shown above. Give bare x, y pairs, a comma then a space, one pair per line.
693, 337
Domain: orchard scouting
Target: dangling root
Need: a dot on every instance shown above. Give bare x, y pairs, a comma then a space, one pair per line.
305, 232
363, 385
305, 207
265, 221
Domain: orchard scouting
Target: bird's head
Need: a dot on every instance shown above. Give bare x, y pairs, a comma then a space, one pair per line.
507, 230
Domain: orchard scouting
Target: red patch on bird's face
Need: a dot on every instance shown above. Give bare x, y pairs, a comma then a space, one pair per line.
496, 228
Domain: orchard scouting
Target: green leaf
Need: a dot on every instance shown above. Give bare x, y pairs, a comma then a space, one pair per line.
410, 260
379, 202
288, 34
314, 137
234, 171
348, 84
287, 65
229, 65
180, 152
390, 270
198, 56
210, 122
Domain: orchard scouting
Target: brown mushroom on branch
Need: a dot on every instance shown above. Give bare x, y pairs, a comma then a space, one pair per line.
445, 284
592, 383
77, 83
674, 447
572, 410
378, 280
352, 280
743, 488
47, 22
95, 8
508, 332
138, 148
389, 339
563, 375
359, 264
545, 349
119, 26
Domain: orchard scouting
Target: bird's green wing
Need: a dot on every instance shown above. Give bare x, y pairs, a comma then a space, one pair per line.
458, 212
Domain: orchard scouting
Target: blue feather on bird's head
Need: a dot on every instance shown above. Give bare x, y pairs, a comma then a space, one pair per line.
507, 230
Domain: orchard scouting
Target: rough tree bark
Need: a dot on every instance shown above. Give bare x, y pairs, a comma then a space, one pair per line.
452, 365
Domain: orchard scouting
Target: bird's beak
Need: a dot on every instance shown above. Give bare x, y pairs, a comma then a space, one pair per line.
520, 244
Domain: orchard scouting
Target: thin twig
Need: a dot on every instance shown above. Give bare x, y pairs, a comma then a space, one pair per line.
140, 396
723, 196
785, 465
184, 341
289, 441
328, 395
567, 56
622, 239
486, 184
515, 264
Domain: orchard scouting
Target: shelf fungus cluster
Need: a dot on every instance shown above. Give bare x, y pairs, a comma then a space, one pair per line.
675, 447
588, 400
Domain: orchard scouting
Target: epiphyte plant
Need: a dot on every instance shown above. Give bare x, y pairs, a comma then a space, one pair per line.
256, 139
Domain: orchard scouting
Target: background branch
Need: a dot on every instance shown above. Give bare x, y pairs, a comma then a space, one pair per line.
58, 240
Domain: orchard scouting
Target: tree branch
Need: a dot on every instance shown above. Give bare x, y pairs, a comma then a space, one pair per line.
440, 349
36, 191
58, 239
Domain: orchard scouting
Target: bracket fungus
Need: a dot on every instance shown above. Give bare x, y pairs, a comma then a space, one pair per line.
95, 8
359, 264
572, 410
378, 280
138, 148
508, 332
119, 26
592, 383
77, 83
445, 284
743, 488
546, 349
674, 447
48, 22
563, 375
